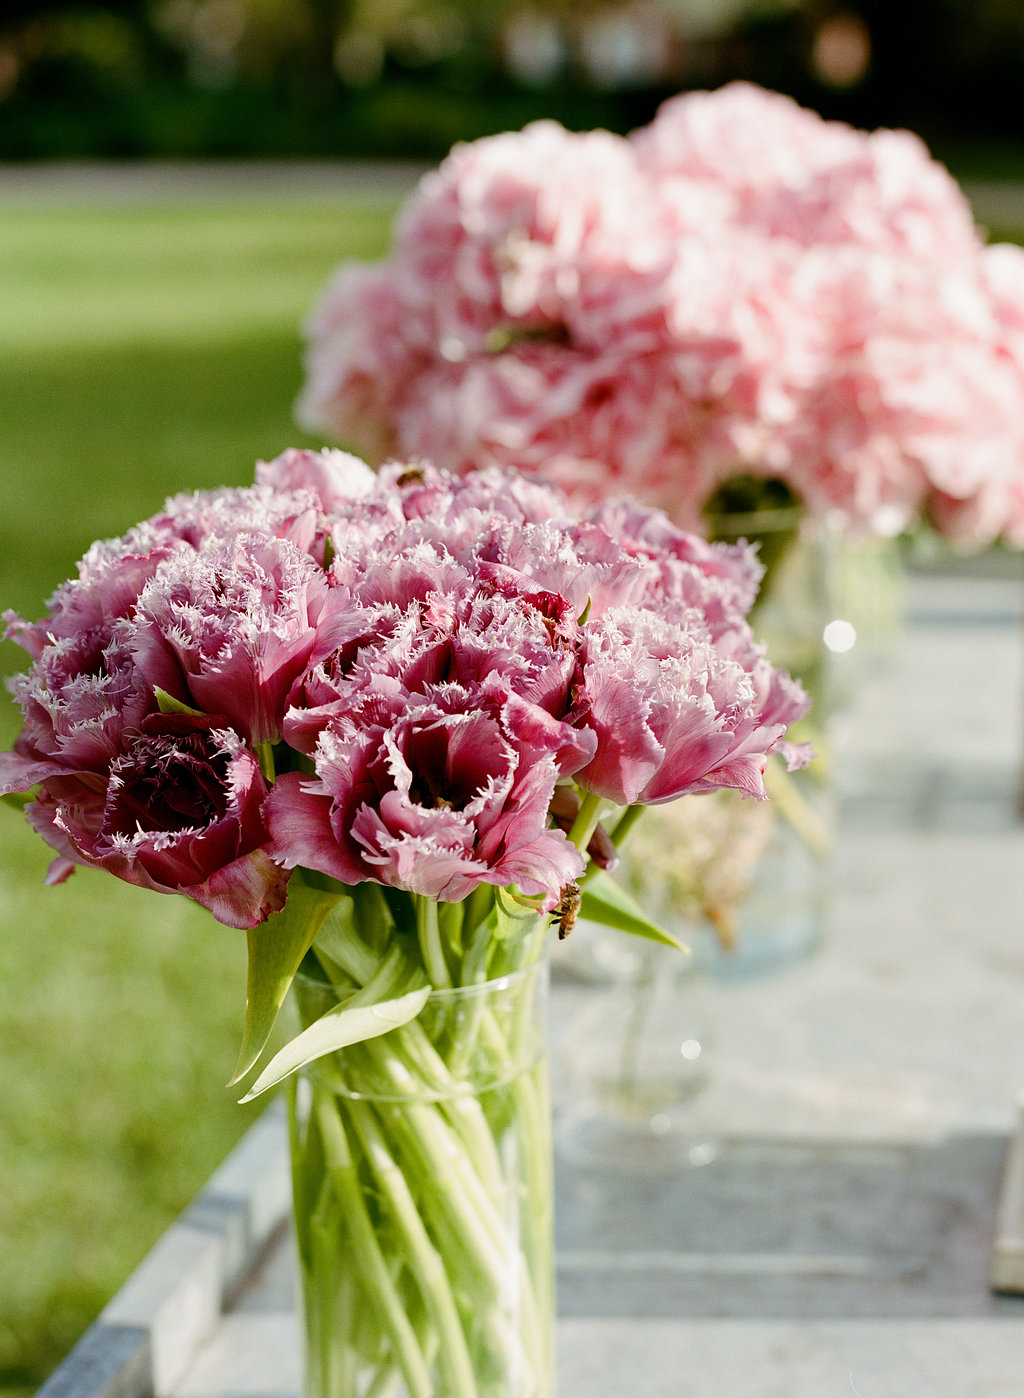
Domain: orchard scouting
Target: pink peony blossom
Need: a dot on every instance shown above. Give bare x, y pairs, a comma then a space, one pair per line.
739, 288
981, 496
786, 172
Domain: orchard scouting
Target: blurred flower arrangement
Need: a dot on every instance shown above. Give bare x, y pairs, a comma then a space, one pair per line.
772, 326
392, 725
738, 289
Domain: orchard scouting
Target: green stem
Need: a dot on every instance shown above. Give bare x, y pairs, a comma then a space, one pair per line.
429, 934
586, 821
477, 955
450, 917
530, 1093
794, 807
462, 1109
421, 1256
444, 1230
480, 1238
385, 1384
265, 757
625, 823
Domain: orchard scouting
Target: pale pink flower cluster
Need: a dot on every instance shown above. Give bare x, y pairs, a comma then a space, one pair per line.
740, 287
408, 677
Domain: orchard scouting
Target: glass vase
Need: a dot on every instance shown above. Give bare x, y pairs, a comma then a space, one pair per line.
635, 1065
829, 610
745, 883
422, 1181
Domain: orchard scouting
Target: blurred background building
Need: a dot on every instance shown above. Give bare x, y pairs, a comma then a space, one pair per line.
171, 78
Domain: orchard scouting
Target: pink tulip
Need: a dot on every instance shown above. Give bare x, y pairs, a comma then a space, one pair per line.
229, 630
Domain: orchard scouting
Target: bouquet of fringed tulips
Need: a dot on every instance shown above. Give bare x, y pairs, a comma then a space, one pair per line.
392, 725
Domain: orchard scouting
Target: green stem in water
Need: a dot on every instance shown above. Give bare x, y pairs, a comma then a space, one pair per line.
420, 1256
372, 1263
797, 810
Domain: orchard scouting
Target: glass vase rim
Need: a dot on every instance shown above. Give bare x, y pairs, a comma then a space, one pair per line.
444, 994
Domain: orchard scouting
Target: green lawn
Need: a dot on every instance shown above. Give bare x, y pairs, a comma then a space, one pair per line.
143, 351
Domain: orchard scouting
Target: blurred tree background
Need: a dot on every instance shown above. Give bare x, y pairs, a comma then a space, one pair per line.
173, 78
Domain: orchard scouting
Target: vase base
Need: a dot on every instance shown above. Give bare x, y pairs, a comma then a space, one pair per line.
594, 1139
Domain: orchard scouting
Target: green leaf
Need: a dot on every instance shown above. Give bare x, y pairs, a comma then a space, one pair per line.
18, 799
339, 940
514, 915
606, 902
167, 704
342, 1025
276, 947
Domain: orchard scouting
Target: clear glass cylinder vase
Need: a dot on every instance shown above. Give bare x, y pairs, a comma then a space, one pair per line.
422, 1181
745, 884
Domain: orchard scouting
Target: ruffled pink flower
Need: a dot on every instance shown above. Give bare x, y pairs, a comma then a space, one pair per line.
179, 813
786, 172
452, 793
739, 288
80, 699
673, 713
983, 499
478, 637
87, 609
721, 581
220, 515
334, 477
229, 630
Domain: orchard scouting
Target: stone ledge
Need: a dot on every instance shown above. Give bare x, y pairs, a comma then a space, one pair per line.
146, 1338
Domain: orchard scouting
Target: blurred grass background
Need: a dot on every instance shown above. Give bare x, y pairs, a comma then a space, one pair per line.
143, 351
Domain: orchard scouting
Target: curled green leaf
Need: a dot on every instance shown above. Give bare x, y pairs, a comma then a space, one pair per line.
342, 1025
276, 947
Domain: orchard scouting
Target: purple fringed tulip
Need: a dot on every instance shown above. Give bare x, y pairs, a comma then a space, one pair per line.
334, 477
180, 813
452, 793
673, 714
229, 630
437, 668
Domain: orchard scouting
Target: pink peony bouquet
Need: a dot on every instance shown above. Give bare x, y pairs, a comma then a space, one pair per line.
281, 700
738, 290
